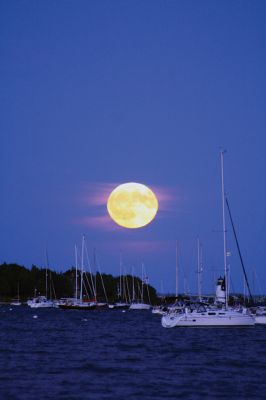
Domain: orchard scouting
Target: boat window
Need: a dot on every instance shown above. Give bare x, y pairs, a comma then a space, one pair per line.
211, 313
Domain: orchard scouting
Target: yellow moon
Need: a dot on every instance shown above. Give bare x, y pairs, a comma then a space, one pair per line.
132, 205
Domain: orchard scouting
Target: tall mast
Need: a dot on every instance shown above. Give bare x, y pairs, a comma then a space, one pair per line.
176, 270
46, 283
224, 231
76, 263
120, 277
142, 277
199, 268
95, 267
133, 286
46, 274
82, 269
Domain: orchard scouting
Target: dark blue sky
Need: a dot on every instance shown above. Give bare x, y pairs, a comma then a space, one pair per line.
95, 93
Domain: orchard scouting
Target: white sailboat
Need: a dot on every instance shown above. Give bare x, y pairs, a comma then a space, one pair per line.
202, 315
78, 303
16, 302
42, 301
123, 302
140, 305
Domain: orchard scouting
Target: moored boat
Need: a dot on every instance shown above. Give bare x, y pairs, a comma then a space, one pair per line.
205, 316
78, 305
259, 314
220, 314
40, 302
139, 306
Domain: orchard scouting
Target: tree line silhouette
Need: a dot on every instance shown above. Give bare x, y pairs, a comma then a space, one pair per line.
28, 283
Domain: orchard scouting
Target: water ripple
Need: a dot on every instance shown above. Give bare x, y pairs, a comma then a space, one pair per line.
111, 355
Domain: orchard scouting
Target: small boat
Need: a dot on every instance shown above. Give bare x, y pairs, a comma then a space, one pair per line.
16, 302
40, 302
78, 305
119, 305
139, 306
259, 314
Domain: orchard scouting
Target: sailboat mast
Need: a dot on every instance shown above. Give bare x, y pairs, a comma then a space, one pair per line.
176, 270
120, 277
76, 277
46, 273
199, 268
133, 286
224, 232
142, 277
94, 287
82, 269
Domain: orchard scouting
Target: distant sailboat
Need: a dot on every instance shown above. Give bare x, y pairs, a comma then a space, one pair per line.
78, 303
43, 301
122, 287
140, 305
16, 302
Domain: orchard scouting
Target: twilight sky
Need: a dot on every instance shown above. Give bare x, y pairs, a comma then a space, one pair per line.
98, 93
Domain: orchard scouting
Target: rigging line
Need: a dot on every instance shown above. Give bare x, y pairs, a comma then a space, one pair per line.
127, 288
97, 264
89, 293
93, 285
238, 248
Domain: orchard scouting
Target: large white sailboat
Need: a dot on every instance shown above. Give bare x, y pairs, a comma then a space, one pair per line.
204, 315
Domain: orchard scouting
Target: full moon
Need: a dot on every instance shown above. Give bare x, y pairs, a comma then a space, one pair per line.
132, 205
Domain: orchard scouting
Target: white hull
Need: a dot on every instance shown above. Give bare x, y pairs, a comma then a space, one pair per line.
212, 318
119, 305
74, 304
158, 311
16, 303
139, 306
40, 302
260, 319
47, 304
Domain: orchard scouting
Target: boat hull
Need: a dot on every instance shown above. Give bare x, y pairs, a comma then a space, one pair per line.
194, 320
77, 307
119, 306
260, 319
139, 306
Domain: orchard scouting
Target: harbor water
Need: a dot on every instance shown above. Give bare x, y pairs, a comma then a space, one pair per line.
113, 355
